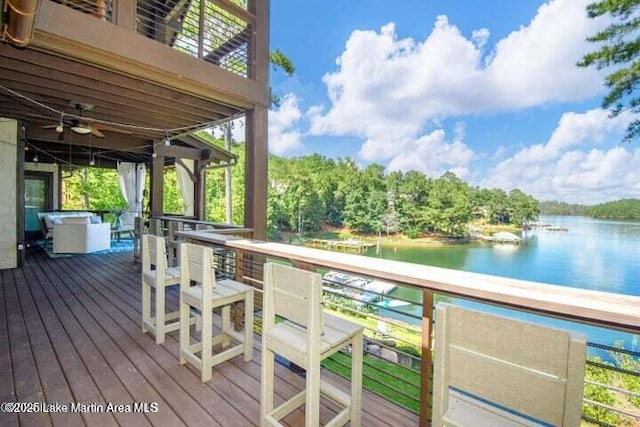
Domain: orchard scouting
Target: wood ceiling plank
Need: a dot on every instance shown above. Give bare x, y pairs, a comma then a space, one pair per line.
99, 92
56, 64
56, 97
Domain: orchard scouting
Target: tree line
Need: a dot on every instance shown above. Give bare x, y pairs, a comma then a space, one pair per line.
624, 209
307, 193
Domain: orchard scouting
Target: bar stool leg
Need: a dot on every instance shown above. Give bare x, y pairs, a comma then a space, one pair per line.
356, 379
248, 326
160, 325
312, 409
266, 384
185, 330
207, 334
146, 305
226, 325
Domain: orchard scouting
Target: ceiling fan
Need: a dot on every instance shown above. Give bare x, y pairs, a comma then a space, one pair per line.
80, 124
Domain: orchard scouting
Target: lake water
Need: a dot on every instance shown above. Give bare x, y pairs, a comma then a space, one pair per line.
593, 254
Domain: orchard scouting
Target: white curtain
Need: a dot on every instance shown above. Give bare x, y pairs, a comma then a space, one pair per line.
141, 173
131, 178
186, 185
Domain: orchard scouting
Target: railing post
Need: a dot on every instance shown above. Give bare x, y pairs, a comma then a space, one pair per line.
125, 14
425, 376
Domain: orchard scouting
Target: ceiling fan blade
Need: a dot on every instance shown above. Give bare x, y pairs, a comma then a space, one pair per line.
100, 126
96, 132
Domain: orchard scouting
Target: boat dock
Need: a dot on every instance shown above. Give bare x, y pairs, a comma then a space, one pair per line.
362, 290
502, 237
348, 244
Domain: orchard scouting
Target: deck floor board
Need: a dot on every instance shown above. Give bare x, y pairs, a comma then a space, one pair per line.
70, 332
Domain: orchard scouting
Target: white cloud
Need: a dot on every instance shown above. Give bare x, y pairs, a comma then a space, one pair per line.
480, 37
386, 90
433, 155
571, 166
283, 136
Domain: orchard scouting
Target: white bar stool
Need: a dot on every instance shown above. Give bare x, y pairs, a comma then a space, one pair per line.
155, 274
305, 337
494, 371
205, 296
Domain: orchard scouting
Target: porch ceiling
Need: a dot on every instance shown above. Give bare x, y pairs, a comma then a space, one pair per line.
117, 99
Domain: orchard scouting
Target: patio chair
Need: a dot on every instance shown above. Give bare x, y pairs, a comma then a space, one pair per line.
203, 297
124, 225
305, 336
156, 274
490, 370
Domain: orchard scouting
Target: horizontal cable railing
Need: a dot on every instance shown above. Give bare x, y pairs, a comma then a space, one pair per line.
612, 387
394, 341
217, 31
211, 30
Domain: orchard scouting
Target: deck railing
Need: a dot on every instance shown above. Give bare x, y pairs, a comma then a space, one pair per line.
217, 31
398, 329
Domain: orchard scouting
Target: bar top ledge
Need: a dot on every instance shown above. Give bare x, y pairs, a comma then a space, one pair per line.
618, 311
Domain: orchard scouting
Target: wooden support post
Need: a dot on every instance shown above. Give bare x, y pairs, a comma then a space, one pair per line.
255, 207
125, 14
20, 202
255, 199
425, 377
157, 184
199, 206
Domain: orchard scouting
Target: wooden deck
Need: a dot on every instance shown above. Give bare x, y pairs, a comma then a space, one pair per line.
70, 332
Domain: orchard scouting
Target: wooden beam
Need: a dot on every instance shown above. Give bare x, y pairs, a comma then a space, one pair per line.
112, 141
179, 152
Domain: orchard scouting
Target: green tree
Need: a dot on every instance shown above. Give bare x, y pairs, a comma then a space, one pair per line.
449, 208
366, 200
619, 48
410, 192
524, 208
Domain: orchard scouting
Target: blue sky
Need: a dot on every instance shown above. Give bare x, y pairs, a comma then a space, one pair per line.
485, 88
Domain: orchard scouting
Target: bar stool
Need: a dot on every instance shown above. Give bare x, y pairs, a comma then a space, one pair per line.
305, 337
495, 371
155, 274
205, 296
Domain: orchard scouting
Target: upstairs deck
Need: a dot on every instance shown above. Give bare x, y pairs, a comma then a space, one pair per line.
70, 332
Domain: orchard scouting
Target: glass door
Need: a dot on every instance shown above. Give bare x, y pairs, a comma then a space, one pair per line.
38, 197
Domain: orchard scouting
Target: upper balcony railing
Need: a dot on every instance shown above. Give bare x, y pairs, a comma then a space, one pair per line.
217, 31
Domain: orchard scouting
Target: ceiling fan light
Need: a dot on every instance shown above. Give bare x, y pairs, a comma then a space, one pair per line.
60, 126
81, 130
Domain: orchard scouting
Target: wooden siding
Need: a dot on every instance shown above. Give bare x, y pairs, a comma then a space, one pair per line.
70, 332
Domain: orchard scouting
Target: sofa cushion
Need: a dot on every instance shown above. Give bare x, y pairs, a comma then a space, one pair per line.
51, 218
79, 220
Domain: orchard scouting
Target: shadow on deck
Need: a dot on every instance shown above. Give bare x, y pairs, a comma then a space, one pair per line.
70, 332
